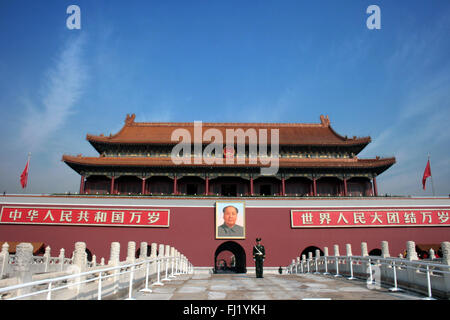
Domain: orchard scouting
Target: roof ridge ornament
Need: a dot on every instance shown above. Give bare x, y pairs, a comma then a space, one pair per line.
130, 119
325, 120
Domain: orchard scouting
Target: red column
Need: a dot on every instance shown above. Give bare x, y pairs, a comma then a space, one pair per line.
251, 186
345, 186
206, 186
143, 186
175, 185
283, 187
112, 186
375, 191
82, 185
314, 187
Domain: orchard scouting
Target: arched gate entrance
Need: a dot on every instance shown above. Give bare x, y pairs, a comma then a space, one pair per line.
230, 258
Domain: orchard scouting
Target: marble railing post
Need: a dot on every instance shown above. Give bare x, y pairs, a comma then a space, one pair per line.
385, 249
431, 254
308, 261
131, 252
181, 263
165, 271
336, 250
167, 252
316, 262
153, 255
79, 263
22, 268
177, 262
94, 261
114, 260
161, 255
364, 267
47, 256
102, 261
114, 256
364, 251
385, 270
4, 260
348, 248
325, 254
445, 247
79, 256
411, 255
143, 250
61, 259
348, 261
336, 254
411, 251
172, 262
297, 264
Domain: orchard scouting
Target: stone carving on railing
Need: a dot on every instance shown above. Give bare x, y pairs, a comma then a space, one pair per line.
411, 253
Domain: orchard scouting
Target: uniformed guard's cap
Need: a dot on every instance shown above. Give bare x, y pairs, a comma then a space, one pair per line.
258, 239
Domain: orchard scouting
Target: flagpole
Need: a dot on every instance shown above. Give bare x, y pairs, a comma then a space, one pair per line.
431, 176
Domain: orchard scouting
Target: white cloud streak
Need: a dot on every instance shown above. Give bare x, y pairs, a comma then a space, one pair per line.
61, 89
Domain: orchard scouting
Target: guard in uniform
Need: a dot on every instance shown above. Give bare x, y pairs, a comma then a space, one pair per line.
259, 254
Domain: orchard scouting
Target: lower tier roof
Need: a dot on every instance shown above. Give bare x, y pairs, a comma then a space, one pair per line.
377, 165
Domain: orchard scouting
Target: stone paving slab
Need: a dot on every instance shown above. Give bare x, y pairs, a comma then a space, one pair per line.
271, 287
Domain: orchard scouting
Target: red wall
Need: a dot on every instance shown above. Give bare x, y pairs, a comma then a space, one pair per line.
192, 232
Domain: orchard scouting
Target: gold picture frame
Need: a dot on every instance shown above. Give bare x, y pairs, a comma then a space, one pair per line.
225, 229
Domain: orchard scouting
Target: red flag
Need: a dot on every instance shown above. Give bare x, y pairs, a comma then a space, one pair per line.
426, 174
24, 176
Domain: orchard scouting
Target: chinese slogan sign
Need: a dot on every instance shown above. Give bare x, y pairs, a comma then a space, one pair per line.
370, 218
129, 217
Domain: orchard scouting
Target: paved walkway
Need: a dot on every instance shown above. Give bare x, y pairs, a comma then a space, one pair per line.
271, 287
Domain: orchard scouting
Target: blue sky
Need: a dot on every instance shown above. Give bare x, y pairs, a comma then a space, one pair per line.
234, 61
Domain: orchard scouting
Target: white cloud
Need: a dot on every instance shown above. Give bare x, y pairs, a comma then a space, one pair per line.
62, 87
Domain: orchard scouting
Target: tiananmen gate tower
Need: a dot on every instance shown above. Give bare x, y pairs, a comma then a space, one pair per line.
314, 160
168, 182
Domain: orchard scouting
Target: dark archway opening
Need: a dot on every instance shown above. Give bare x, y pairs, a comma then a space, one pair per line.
88, 255
311, 249
138, 251
375, 252
230, 258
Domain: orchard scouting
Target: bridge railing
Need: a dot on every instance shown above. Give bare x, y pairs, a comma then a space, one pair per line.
84, 281
428, 276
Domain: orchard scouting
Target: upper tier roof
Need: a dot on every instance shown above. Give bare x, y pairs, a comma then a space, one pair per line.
307, 134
